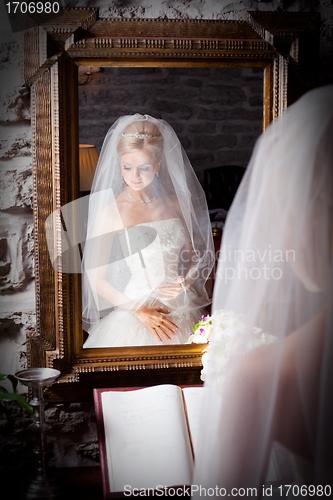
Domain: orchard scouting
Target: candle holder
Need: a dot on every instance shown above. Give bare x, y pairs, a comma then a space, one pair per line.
43, 485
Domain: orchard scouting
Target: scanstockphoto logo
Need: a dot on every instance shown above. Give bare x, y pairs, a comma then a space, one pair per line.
105, 251
66, 235
23, 15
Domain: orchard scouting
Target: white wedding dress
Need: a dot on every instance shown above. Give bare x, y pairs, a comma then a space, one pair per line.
156, 263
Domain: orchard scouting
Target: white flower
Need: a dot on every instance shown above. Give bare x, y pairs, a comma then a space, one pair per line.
227, 334
201, 331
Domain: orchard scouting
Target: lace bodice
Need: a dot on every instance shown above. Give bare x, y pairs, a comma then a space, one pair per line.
153, 250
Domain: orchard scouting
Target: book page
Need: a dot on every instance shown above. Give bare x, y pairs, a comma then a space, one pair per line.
193, 397
147, 440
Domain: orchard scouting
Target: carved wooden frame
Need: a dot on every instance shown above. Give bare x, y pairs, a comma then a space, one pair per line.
284, 45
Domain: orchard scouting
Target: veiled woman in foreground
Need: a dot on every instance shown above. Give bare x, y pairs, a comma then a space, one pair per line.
278, 281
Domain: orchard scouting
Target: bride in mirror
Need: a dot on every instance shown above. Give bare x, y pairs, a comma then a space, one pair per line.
149, 249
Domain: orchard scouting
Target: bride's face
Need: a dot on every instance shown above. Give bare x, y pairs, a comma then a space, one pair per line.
138, 169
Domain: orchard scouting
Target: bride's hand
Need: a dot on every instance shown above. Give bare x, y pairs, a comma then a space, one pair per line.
154, 319
168, 292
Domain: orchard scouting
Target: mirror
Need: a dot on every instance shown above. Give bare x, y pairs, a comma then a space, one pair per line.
52, 56
216, 112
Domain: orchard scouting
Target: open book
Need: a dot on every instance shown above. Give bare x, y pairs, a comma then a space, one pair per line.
147, 436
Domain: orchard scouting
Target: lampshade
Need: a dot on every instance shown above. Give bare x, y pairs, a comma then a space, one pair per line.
88, 157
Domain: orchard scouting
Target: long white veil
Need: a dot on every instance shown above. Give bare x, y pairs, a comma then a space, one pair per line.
275, 284
176, 181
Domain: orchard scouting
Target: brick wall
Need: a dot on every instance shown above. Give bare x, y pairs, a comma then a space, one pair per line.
216, 113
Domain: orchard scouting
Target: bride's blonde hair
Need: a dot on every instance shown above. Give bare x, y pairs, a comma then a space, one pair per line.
141, 135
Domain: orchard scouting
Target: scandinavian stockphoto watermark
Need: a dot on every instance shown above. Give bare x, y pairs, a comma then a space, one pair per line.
66, 235
253, 264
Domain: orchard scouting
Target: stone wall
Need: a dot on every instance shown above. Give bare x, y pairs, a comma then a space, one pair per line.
17, 308
216, 113
74, 434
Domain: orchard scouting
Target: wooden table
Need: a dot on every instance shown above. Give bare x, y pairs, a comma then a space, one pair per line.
81, 483
75, 483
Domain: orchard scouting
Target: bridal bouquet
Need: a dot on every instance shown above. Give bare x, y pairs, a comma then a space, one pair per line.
201, 331
231, 339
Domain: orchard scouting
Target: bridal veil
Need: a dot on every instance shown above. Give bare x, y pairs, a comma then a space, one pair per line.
176, 181
274, 285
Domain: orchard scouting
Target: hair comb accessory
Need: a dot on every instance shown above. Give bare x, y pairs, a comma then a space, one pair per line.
140, 136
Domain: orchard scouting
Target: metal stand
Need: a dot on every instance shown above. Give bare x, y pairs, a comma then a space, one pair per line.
43, 485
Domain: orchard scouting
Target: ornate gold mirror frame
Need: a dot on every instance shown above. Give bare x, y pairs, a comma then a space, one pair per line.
283, 45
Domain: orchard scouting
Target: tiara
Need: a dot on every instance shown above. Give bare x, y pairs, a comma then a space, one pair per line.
140, 136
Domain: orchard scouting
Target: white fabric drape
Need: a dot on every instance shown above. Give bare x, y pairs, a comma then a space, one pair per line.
275, 273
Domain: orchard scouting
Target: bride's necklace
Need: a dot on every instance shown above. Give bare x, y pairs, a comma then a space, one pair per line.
140, 201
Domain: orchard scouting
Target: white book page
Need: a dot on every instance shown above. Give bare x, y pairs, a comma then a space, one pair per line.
147, 440
193, 397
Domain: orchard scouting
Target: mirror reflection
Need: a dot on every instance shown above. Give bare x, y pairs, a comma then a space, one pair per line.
150, 251
149, 248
